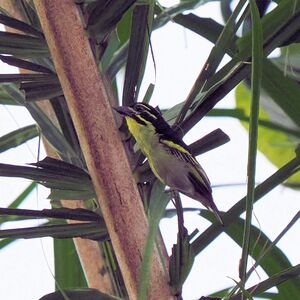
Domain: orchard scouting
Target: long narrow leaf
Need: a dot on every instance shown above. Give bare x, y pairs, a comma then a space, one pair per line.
158, 203
49, 130
19, 25
57, 213
23, 195
137, 54
95, 231
24, 64
104, 16
22, 45
41, 90
27, 78
18, 137
256, 75
6, 98
55, 174
67, 268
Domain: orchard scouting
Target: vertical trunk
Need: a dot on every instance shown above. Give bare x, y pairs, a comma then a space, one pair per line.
106, 160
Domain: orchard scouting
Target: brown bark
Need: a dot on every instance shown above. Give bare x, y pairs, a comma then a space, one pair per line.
89, 252
104, 153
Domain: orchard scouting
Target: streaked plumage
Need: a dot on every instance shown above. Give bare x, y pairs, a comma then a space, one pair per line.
169, 157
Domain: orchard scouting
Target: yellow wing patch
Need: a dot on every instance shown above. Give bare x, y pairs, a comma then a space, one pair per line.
189, 156
176, 146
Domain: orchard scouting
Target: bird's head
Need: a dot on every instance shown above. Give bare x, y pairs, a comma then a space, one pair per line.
144, 114
146, 118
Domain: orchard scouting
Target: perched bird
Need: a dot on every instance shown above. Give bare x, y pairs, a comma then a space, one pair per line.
169, 157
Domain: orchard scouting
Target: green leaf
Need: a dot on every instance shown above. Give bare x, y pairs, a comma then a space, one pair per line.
49, 130
54, 174
5, 242
68, 271
103, 16
6, 98
163, 16
137, 53
256, 75
181, 262
4, 217
24, 64
26, 78
110, 51
226, 37
23, 45
52, 134
28, 13
149, 93
274, 22
236, 70
208, 142
272, 263
17, 137
23, 195
62, 213
277, 146
276, 280
79, 294
94, 231
158, 203
41, 90
205, 27
284, 91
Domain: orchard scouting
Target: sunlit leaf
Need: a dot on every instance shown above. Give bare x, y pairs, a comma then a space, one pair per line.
277, 146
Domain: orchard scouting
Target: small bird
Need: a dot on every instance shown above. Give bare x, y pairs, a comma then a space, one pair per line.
169, 157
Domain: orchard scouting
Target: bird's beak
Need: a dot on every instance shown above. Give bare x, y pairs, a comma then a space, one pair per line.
123, 110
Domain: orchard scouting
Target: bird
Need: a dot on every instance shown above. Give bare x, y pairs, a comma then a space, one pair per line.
170, 159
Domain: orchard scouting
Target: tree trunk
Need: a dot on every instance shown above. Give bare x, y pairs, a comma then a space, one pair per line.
88, 103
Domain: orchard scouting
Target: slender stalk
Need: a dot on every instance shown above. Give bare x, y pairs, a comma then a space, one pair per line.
256, 75
104, 153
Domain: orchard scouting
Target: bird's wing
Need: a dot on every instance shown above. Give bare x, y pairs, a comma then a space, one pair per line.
198, 177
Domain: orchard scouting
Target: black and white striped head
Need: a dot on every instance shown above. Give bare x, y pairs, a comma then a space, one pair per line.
151, 118
146, 115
